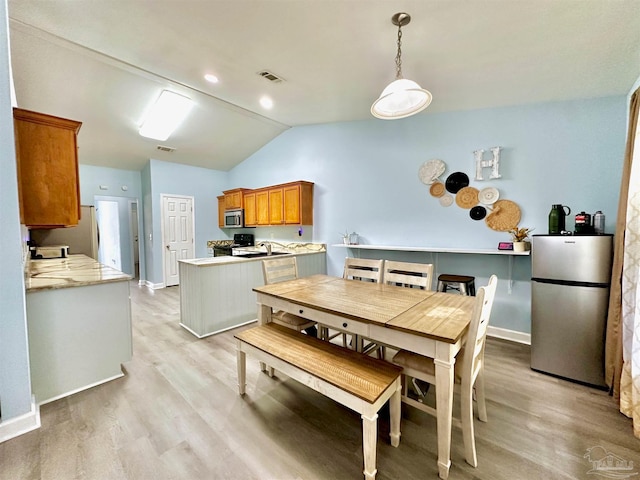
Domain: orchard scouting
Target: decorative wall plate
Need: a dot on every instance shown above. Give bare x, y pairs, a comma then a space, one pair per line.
488, 195
456, 181
504, 216
467, 197
478, 212
437, 189
431, 170
446, 200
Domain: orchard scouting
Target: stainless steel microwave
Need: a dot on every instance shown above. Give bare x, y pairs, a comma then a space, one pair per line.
234, 218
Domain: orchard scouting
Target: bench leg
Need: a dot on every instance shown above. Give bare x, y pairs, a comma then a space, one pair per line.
267, 369
394, 412
369, 441
242, 370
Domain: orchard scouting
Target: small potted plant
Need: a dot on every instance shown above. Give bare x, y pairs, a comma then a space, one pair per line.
519, 237
345, 237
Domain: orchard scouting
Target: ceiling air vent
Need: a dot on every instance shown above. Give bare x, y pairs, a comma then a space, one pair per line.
272, 77
164, 148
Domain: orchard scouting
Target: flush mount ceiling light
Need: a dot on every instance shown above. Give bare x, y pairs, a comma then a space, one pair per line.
402, 97
166, 114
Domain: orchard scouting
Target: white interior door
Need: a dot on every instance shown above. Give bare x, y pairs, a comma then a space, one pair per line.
109, 226
177, 214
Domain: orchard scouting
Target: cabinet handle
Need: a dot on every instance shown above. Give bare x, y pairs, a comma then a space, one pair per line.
345, 325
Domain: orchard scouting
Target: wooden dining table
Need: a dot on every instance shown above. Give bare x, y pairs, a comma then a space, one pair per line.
429, 323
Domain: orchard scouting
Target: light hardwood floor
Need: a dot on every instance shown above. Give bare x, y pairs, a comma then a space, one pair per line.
177, 415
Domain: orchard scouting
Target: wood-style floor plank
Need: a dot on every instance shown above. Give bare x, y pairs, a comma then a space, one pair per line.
176, 414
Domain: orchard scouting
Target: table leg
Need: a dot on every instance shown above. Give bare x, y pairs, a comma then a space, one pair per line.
242, 370
444, 410
395, 413
369, 441
264, 316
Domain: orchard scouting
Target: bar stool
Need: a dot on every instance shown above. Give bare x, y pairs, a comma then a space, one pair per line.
462, 283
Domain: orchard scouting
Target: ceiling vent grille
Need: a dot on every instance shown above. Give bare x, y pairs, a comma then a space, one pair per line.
164, 148
272, 77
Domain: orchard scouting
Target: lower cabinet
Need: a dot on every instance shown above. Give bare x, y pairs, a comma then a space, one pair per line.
78, 337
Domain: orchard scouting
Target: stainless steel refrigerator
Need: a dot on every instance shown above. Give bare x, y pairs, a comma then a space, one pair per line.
82, 238
569, 303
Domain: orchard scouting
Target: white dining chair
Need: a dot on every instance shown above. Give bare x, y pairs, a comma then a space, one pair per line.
281, 269
407, 274
469, 370
366, 270
410, 275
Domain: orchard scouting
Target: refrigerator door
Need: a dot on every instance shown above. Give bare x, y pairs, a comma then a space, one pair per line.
567, 331
572, 258
82, 238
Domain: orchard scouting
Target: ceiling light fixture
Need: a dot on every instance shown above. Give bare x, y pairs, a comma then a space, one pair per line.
266, 103
211, 78
166, 114
401, 98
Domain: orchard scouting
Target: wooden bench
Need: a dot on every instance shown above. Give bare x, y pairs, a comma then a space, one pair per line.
355, 380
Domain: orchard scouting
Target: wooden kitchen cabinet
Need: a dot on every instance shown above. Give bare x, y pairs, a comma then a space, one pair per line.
47, 166
285, 204
262, 207
233, 199
221, 209
276, 206
250, 218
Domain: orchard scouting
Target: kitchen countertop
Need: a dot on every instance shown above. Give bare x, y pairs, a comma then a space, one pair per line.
73, 271
291, 248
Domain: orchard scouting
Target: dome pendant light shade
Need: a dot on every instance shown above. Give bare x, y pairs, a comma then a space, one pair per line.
402, 97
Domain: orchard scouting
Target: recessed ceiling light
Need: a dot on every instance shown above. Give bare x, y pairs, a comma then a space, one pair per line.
266, 102
209, 77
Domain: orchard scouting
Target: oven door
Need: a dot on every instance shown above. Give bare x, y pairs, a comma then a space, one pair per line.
233, 219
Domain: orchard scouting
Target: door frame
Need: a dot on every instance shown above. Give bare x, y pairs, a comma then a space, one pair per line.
163, 197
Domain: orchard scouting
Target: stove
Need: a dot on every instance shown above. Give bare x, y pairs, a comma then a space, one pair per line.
239, 240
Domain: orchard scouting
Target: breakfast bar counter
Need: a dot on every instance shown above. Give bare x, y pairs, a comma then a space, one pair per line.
79, 324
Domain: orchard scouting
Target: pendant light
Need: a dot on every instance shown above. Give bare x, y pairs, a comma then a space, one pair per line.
402, 97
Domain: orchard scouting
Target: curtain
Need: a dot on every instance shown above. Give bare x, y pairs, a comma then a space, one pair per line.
622, 352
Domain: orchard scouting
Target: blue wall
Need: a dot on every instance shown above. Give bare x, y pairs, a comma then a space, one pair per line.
15, 384
366, 180
126, 186
164, 178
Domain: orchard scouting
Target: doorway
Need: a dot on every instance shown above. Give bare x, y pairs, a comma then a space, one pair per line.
178, 232
118, 226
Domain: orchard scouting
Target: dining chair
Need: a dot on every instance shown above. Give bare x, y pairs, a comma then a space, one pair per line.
469, 370
363, 269
406, 274
279, 270
366, 270
411, 275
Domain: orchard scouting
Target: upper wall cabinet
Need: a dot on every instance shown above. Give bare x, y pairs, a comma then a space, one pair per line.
47, 165
221, 209
286, 204
233, 199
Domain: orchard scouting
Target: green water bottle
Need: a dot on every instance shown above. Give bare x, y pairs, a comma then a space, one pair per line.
556, 218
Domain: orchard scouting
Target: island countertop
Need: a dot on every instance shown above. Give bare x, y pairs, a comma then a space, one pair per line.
73, 271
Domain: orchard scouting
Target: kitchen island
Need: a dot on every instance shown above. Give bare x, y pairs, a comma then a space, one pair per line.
216, 293
79, 323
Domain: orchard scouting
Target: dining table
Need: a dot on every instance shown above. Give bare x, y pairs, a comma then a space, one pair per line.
426, 322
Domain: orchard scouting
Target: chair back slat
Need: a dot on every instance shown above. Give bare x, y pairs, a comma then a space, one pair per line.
477, 333
279, 269
363, 269
406, 274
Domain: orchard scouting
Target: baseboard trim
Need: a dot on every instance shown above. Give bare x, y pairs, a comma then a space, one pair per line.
511, 335
77, 390
217, 331
153, 286
17, 426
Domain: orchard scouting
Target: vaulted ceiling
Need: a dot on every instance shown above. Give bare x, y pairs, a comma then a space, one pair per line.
104, 63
